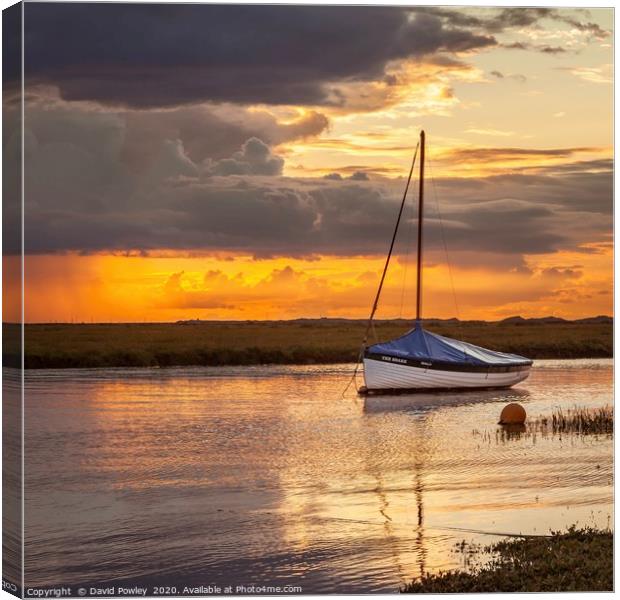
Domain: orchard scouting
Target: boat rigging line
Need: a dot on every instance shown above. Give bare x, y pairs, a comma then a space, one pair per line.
387, 264
445, 247
422, 359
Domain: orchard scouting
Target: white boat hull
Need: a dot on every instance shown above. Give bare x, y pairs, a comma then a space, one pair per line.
384, 375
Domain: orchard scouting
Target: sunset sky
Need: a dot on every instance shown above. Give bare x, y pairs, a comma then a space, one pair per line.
247, 162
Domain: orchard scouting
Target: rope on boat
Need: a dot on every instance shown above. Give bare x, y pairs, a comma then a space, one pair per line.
355, 370
443, 239
445, 247
385, 268
408, 245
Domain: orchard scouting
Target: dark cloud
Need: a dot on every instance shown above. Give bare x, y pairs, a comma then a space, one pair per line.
516, 76
516, 46
601, 164
518, 17
494, 21
85, 196
355, 176
165, 55
254, 158
511, 216
537, 47
567, 189
500, 20
209, 133
593, 29
551, 49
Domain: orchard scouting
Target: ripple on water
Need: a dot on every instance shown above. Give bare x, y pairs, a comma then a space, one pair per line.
268, 475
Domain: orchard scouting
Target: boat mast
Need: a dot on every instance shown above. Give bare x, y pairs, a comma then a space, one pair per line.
420, 213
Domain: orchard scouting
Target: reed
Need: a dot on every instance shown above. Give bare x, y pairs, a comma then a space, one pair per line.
579, 420
574, 421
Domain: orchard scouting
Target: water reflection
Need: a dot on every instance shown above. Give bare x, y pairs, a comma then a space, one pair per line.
11, 475
383, 491
266, 475
425, 401
512, 431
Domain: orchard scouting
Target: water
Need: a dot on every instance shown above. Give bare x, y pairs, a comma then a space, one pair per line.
266, 476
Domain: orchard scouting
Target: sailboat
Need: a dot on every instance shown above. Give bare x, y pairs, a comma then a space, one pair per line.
421, 360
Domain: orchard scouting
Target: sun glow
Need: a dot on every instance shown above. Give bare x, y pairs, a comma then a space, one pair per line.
520, 148
166, 288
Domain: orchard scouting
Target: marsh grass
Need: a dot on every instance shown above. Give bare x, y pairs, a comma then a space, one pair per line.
583, 420
310, 341
579, 420
577, 560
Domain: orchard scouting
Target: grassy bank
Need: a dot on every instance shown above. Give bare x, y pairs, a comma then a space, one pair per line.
579, 560
282, 342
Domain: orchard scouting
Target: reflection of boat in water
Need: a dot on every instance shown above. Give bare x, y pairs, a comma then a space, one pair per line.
421, 360
399, 494
427, 401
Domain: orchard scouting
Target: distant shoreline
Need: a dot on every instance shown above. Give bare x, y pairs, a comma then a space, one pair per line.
300, 341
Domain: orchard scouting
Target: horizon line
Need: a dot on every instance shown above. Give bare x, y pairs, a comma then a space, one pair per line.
294, 319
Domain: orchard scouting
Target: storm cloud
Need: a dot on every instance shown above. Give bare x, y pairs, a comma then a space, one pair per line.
168, 55
83, 196
86, 193
289, 217
165, 156
254, 158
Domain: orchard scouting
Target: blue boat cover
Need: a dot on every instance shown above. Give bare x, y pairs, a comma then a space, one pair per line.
420, 344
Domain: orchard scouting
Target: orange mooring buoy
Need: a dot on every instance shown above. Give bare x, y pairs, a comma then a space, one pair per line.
512, 414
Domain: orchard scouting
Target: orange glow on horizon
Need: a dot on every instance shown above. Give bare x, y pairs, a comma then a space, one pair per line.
105, 288
524, 124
